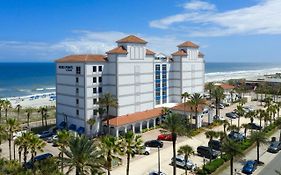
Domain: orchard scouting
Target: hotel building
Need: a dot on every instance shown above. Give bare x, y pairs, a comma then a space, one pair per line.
141, 80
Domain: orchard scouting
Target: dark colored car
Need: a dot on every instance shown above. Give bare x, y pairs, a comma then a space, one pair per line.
274, 147
249, 167
231, 115
30, 163
215, 144
207, 152
154, 143
254, 126
236, 136
45, 134
167, 137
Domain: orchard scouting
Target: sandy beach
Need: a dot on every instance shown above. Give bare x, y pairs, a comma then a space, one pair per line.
36, 100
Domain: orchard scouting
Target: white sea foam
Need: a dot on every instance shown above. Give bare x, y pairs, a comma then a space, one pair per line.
221, 76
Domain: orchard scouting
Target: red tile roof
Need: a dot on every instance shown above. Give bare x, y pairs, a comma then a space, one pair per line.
82, 58
187, 108
200, 55
149, 52
188, 44
118, 50
132, 39
227, 86
135, 117
180, 53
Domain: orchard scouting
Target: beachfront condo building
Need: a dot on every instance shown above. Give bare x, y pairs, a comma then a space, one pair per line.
141, 80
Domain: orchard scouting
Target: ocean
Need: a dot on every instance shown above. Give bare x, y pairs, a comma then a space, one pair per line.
21, 79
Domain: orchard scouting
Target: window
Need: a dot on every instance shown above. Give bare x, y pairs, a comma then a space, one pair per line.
164, 84
77, 101
94, 79
77, 90
164, 67
94, 68
100, 79
164, 92
78, 70
157, 102
94, 90
157, 93
157, 67
77, 112
77, 80
164, 76
100, 89
164, 100
157, 85
95, 112
157, 76
94, 101
100, 68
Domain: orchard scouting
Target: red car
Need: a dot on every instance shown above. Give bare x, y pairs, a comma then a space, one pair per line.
167, 137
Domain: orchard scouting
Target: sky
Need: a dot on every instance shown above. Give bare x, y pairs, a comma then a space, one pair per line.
226, 30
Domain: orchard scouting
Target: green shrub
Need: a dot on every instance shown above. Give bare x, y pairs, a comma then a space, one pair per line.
212, 166
201, 172
246, 144
225, 157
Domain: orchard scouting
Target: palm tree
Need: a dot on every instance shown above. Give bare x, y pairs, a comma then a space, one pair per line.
173, 124
130, 144
240, 112
225, 124
82, 155
246, 127
232, 149
42, 110
210, 87
6, 106
278, 123
47, 166
278, 105
101, 111
184, 97
91, 122
23, 143
18, 108
35, 144
108, 101
3, 134
251, 115
196, 100
12, 126
211, 134
28, 113
63, 139
187, 151
218, 94
19, 142
110, 150
1, 107
259, 138
232, 128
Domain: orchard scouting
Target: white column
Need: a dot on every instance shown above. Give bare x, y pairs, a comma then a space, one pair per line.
154, 123
117, 132
199, 121
125, 129
140, 127
147, 124
133, 127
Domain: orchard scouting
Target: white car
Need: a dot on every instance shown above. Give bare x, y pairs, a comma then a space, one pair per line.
18, 134
156, 173
180, 162
217, 117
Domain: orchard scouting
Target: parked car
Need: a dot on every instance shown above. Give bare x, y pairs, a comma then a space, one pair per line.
144, 151
248, 109
226, 104
45, 134
180, 162
274, 147
236, 136
221, 106
167, 137
249, 167
215, 144
156, 173
18, 134
154, 143
30, 163
217, 117
231, 115
207, 152
205, 111
254, 126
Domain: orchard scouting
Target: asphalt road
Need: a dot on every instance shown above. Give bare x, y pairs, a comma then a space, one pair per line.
270, 168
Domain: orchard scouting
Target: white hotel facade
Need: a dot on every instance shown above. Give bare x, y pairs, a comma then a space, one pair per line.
141, 81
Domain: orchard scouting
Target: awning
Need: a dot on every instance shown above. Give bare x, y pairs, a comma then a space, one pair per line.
72, 127
62, 125
81, 130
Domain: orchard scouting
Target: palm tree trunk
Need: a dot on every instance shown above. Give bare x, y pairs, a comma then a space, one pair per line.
107, 120
42, 118
231, 166
77, 171
10, 148
28, 119
109, 166
280, 136
258, 152
62, 162
238, 123
128, 164
18, 114
19, 152
6, 113
25, 154
14, 151
174, 138
46, 123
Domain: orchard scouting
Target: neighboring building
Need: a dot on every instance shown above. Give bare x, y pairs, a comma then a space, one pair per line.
229, 92
140, 79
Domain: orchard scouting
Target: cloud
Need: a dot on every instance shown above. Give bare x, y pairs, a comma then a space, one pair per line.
83, 42
262, 18
199, 5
